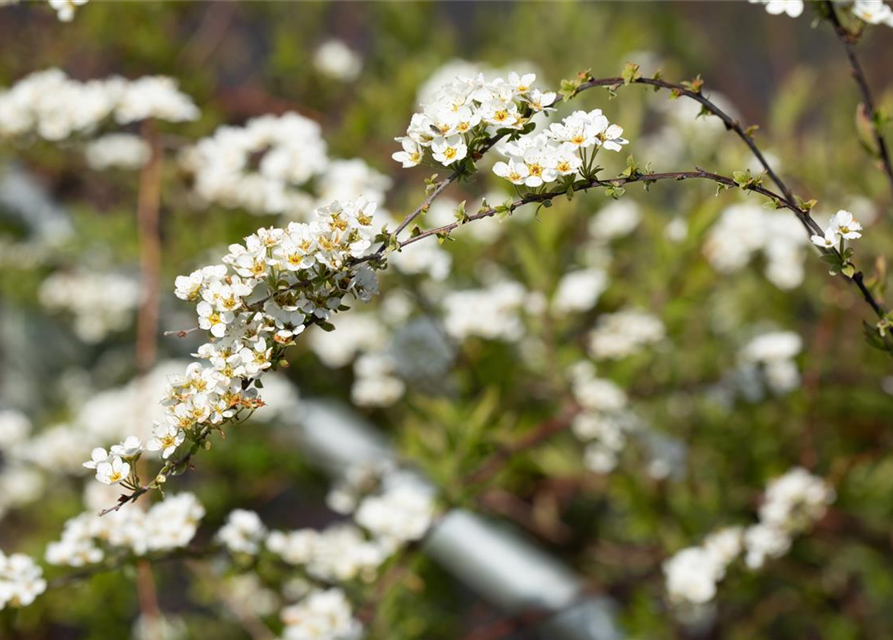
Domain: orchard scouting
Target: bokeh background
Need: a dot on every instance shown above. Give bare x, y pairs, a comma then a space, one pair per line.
716, 431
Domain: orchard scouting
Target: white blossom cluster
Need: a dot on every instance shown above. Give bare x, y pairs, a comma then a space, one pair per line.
873, 12
53, 106
579, 290
743, 230
868, 11
21, 580
244, 532
400, 511
624, 333
793, 8
338, 553
117, 150
336, 60
376, 383
277, 165
791, 504
566, 148
391, 509
100, 303
464, 110
256, 302
20, 484
616, 220
65, 9
493, 313
604, 422
321, 614
842, 226
771, 356
89, 538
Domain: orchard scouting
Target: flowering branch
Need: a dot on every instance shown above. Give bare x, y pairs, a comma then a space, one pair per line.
875, 118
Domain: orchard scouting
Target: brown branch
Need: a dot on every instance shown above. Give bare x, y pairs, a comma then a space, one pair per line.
649, 178
148, 208
730, 123
495, 463
848, 41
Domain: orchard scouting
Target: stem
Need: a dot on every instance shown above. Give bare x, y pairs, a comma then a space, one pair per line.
848, 41
148, 208
649, 178
730, 123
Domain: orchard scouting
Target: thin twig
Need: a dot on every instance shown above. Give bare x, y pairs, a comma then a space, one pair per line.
648, 178
848, 41
496, 462
731, 123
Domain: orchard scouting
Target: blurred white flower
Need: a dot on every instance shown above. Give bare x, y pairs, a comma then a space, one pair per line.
336, 60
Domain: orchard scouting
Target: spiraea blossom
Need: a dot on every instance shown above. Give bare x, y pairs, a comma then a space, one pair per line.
841, 226
791, 504
746, 230
321, 614
89, 539
244, 532
336, 60
100, 303
772, 354
466, 111
793, 8
567, 148
21, 580
65, 9
117, 150
604, 422
624, 333
873, 12
253, 305
53, 106
277, 165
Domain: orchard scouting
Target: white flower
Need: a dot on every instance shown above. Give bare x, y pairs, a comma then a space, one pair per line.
844, 225
321, 615
793, 8
166, 438
97, 457
401, 514
449, 150
65, 9
615, 220
872, 11
829, 240
412, 153
14, 428
21, 580
514, 171
624, 333
691, 576
209, 318
243, 532
130, 448
112, 472
154, 97
336, 60
121, 150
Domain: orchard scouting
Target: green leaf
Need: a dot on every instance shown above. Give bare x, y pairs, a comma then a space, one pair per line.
630, 73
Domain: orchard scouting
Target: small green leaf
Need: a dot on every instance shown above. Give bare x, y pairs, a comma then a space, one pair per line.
630, 73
